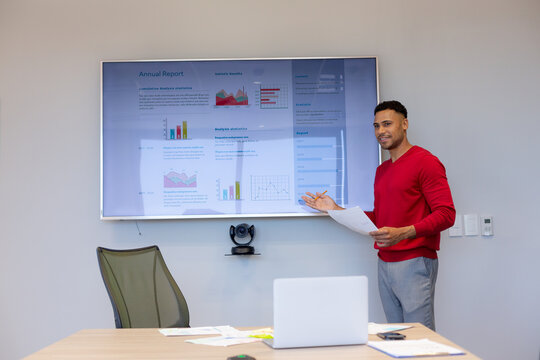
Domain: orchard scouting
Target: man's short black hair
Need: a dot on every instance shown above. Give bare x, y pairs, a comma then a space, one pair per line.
391, 105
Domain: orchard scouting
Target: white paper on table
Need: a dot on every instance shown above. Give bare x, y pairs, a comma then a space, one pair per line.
354, 218
204, 330
231, 336
409, 348
374, 328
223, 340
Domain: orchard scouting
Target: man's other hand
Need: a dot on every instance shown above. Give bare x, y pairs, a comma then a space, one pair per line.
388, 236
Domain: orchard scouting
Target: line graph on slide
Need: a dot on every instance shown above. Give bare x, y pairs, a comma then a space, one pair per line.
270, 187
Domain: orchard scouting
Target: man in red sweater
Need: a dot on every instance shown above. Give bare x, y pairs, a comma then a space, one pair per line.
413, 204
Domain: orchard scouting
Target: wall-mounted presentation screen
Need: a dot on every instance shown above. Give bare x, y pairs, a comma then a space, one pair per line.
236, 138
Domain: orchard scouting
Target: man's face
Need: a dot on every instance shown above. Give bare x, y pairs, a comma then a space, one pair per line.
390, 128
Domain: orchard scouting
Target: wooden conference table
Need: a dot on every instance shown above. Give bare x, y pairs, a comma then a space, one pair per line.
151, 344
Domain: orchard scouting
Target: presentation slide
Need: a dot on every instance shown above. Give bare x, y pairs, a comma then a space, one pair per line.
236, 137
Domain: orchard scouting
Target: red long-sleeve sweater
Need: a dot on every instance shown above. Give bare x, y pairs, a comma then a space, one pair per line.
413, 190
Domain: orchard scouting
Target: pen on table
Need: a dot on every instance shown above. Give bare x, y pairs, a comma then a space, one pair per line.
325, 191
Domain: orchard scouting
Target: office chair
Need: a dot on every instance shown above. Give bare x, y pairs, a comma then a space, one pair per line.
143, 292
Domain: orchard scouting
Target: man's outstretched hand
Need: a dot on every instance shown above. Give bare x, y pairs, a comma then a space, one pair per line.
320, 202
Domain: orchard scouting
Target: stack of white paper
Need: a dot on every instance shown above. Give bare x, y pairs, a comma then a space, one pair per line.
410, 348
228, 335
205, 330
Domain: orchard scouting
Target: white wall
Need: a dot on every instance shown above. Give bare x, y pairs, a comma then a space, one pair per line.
468, 72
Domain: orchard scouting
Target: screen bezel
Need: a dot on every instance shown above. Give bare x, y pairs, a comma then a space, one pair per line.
215, 216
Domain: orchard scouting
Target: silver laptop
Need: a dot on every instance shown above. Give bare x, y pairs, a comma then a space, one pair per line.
320, 311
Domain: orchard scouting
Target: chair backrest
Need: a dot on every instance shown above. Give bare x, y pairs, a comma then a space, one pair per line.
143, 292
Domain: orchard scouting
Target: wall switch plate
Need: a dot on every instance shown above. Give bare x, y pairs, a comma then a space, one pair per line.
457, 229
471, 224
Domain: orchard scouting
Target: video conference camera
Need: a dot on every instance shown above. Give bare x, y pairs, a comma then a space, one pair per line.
242, 235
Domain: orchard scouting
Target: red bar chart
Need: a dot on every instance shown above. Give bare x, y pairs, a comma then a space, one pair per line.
274, 96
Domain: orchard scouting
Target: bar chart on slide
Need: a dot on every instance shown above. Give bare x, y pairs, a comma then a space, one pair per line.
274, 96
270, 187
228, 190
175, 129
